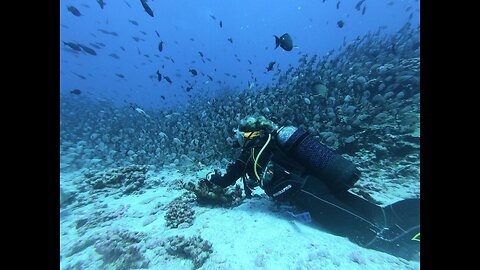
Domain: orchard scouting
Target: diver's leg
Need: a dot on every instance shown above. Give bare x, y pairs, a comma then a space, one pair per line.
332, 214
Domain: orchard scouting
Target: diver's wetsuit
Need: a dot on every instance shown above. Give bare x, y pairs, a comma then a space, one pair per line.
294, 167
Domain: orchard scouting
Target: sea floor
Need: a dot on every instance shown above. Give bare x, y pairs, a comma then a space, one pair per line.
253, 235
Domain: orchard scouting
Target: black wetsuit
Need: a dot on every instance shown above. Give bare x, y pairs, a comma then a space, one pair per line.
309, 175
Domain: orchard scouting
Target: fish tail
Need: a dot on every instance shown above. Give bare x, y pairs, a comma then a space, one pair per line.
277, 41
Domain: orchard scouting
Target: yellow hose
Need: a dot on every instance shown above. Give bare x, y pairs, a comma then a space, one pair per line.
259, 154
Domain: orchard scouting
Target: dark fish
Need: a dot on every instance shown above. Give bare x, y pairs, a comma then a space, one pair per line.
145, 33
101, 3
208, 59
193, 71
391, 3
160, 46
285, 41
338, 4
363, 10
213, 17
120, 75
270, 66
72, 45
392, 48
230, 39
228, 74
211, 79
95, 46
357, 6
250, 62
189, 88
76, 91
159, 76
340, 23
221, 24
192, 39
158, 35
410, 16
123, 49
87, 49
201, 54
167, 79
64, 26
147, 8
203, 60
80, 76
133, 22
137, 39
85, 5
163, 97
108, 32
146, 55
127, 4
74, 11
114, 56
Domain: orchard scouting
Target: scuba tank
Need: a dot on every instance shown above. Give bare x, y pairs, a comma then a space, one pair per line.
338, 173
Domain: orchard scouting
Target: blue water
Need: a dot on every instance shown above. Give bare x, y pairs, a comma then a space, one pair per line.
250, 23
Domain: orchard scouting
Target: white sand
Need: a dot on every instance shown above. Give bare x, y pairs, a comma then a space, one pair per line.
250, 236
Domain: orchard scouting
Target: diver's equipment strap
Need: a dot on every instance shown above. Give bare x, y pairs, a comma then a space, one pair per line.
259, 154
299, 140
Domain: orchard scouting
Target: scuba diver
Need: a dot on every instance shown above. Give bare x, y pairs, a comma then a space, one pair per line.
294, 168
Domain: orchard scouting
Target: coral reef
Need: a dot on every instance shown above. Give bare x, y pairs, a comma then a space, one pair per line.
194, 248
179, 214
127, 180
122, 248
225, 197
99, 218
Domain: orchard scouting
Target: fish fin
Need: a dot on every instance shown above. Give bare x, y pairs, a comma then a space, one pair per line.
277, 41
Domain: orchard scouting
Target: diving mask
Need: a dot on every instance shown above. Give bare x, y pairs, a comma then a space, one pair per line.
241, 136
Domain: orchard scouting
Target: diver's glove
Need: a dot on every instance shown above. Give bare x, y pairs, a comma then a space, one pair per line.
212, 176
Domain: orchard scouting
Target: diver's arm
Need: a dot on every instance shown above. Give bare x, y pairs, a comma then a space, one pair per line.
234, 171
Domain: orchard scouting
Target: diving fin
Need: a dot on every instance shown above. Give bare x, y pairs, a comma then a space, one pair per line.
401, 233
